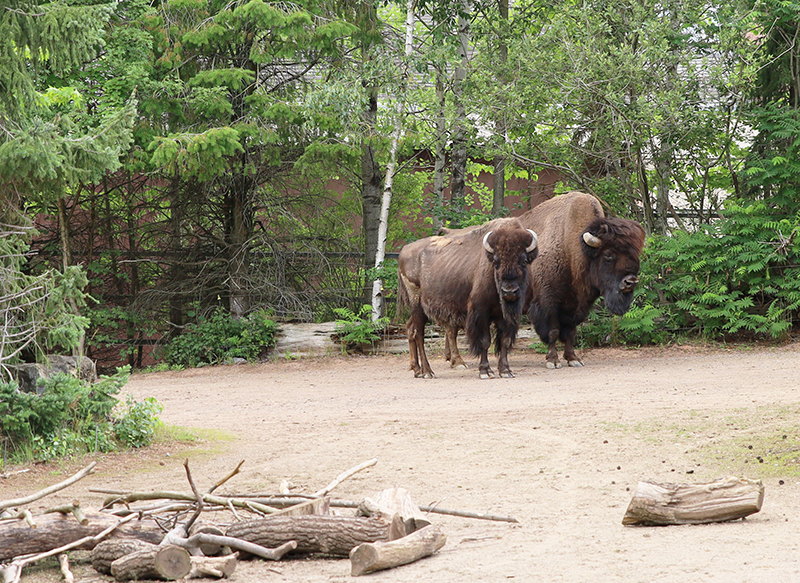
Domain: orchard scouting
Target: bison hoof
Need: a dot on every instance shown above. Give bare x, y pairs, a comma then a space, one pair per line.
507, 374
553, 364
458, 365
575, 363
487, 374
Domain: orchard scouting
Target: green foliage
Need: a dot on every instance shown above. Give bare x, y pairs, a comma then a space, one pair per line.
136, 427
358, 328
219, 338
71, 417
737, 278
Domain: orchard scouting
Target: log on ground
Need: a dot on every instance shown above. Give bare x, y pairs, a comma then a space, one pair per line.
722, 500
168, 563
108, 551
333, 535
369, 557
55, 530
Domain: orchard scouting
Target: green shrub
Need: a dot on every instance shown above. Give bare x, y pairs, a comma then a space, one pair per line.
137, 425
739, 277
219, 338
69, 417
357, 328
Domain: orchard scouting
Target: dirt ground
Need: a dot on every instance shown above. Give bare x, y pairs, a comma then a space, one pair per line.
560, 450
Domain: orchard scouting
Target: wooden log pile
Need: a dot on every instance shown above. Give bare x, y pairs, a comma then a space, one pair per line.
159, 535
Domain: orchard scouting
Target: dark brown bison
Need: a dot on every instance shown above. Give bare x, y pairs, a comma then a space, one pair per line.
468, 281
582, 255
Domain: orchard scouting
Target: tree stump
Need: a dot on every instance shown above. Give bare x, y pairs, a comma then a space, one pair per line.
396, 501
718, 501
333, 535
169, 563
369, 557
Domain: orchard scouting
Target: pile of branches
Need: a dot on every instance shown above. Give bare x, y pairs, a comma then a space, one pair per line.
166, 535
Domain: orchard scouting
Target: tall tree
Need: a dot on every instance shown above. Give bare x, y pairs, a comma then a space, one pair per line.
57, 136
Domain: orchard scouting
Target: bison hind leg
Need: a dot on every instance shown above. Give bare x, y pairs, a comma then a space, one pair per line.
451, 353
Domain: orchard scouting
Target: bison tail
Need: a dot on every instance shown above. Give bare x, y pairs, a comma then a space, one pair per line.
403, 300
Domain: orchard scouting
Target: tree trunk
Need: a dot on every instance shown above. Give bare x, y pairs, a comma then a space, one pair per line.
440, 160
55, 530
333, 535
458, 157
499, 188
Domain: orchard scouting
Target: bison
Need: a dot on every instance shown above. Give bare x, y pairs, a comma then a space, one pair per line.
582, 255
468, 281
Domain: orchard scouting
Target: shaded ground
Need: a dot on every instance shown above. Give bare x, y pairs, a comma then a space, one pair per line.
560, 450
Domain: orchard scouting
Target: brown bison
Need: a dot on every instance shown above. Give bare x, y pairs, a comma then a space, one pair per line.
582, 255
468, 281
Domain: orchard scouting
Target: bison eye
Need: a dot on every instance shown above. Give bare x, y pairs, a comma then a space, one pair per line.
608, 257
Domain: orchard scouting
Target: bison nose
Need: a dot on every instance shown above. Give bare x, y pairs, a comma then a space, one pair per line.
628, 283
510, 291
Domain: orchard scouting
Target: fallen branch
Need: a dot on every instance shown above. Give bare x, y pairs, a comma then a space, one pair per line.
226, 478
74, 509
49, 490
63, 565
344, 475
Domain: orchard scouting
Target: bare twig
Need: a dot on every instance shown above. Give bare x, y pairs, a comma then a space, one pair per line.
49, 490
197, 495
226, 478
63, 564
344, 475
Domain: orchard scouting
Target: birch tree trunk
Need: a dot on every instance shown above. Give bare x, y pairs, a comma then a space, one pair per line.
386, 200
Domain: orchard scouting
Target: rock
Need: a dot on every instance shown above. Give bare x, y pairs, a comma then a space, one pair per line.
28, 374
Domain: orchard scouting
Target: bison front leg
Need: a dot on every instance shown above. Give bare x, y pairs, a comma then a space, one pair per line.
502, 360
569, 347
552, 350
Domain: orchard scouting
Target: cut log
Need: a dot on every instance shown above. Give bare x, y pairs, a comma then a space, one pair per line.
54, 530
168, 563
108, 551
396, 501
219, 567
718, 501
333, 535
369, 557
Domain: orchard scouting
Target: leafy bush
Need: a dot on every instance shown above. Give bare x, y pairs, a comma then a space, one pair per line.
69, 417
738, 276
220, 338
138, 423
358, 328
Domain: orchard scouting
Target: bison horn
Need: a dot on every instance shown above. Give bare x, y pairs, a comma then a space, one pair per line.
591, 240
534, 241
486, 242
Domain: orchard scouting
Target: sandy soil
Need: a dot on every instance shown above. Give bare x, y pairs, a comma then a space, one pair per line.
560, 450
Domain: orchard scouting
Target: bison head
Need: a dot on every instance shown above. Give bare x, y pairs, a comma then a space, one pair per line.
510, 251
613, 247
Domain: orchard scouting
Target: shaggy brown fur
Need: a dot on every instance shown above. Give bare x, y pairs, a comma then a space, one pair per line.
570, 275
457, 283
